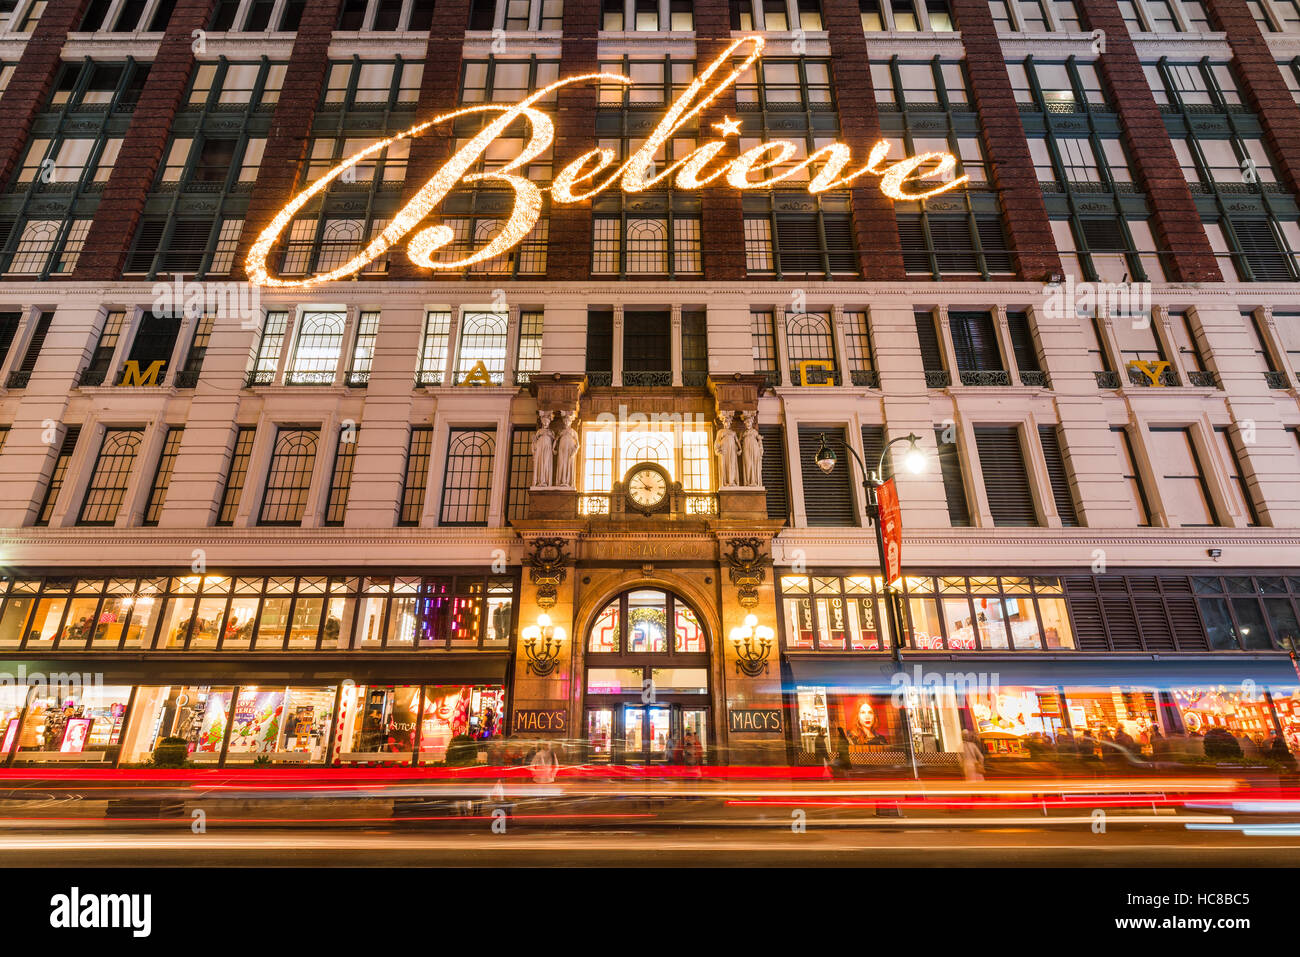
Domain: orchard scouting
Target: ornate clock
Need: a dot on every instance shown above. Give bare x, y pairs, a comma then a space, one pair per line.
646, 487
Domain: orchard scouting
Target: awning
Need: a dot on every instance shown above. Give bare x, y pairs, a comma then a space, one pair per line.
1146, 672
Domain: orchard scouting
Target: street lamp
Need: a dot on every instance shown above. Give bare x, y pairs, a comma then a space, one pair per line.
914, 462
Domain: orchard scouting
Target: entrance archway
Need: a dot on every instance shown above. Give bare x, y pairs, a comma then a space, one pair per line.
647, 692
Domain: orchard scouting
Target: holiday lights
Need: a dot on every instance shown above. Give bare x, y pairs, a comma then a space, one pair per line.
575, 182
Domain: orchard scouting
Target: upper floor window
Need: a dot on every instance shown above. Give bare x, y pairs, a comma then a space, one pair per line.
502, 80
128, 16
385, 15
31, 16
1070, 87
373, 84
259, 16
467, 482
110, 477
224, 85
481, 351
317, 347
98, 86
1184, 492
1193, 85
288, 478
810, 343
609, 451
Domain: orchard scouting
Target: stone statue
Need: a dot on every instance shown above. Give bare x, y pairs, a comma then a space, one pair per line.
727, 448
566, 453
752, 451
543, 452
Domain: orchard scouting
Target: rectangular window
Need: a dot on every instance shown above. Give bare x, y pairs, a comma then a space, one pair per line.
341, 477
433, 350
774, 471
763, 337
151, 352
1006, 479
236, 474
467, 483
61, 462
267, 360
1182, 481
1236, 479
162, 476
1057, 475
105, 349
19, 378
529, 361
975, 343
110, 477
188, 377
1138, 495
827, 498
857, 334
600, 346
9, 323
416, 477
695, 347
317, 348
363, 351
954, 488
521, 471
647, 348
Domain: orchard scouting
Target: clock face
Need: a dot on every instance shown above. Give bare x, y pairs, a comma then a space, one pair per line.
646, 487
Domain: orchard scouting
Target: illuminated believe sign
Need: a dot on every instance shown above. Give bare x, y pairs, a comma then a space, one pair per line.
578, 181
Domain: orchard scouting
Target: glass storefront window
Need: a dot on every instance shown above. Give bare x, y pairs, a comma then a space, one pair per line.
282, 724
85, 721
305, 626
12, 699
614, 680
272, 623
176, 617
80, 624
680, 680
240, 622
140, 626
12, 623
604, 633
379, 719
197, 714
959, 624
1056, 623
926, 635
452, 710
991, 619
207, 623
370, 633
45, 622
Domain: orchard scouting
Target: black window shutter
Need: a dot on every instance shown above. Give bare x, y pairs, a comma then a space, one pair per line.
774, 471
953, 489
9, 322
1118, 615
600, 340
1259, 246
798, 245
647, 342
1189, 633
1085, 614
993, 241
916, 255
146, 246
841, 249
931, 355
36, 342
1103, 235
873, 441
188, 243
1022, 342
827, 499
1050, 440
975, 341
1005, 479
952, 244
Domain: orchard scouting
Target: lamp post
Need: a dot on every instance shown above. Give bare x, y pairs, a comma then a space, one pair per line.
871, 482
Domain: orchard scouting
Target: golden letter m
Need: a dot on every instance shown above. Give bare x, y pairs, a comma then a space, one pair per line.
131, 373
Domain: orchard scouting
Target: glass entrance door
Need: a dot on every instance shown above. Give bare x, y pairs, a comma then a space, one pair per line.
645, 734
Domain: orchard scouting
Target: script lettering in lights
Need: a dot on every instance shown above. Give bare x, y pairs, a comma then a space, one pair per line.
757, 168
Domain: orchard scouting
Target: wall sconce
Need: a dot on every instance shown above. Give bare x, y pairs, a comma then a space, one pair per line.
752, 642
542, 643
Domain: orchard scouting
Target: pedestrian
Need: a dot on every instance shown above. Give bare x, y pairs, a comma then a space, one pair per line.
543, 764
671, 750
972, 757
821, 755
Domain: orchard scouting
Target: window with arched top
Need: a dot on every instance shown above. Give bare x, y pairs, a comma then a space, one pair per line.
647, 621
809, 338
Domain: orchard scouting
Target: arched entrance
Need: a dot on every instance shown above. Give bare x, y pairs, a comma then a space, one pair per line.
647, 680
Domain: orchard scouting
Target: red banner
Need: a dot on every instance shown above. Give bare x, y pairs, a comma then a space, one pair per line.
891, 529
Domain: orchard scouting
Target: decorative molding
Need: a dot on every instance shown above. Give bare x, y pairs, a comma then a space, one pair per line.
546, 569
746, 561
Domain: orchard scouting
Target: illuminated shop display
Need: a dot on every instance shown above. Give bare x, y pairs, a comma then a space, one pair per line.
577, 182
954, 613
82, 721
388, 722
222, 612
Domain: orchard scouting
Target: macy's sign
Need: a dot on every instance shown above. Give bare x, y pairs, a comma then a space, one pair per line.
582, 179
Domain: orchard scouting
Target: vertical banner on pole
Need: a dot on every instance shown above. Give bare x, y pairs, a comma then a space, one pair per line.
891, 529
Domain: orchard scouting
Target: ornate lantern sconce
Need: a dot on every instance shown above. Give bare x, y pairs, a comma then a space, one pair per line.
753, 643
542, 644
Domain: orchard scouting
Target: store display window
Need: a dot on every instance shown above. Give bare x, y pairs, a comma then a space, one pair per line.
281, 724
198, 714
83, 721
12, 699
454, 710
378, 720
